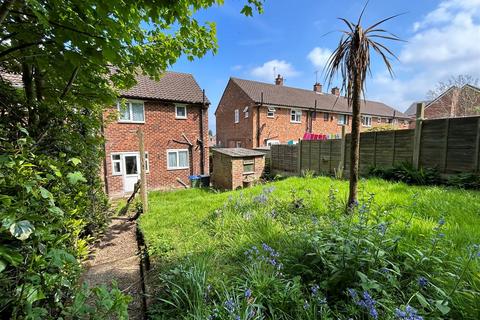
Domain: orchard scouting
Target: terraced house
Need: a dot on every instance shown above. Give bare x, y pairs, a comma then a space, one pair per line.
254, 114
173, 115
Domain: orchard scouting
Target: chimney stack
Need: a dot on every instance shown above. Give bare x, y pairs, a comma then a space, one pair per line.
317, 87
336, 91
279, 80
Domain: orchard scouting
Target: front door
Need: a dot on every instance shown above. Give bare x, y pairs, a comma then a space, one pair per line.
131, 175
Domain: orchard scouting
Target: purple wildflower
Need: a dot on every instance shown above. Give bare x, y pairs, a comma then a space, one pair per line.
409, 313
248, 293
422, 282
229, 305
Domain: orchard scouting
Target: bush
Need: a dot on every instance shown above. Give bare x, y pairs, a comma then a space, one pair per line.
405, 172
282, 259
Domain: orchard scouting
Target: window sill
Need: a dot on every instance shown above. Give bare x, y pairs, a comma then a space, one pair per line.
246, 173
134, 122
173, 169
181, 118
296, 122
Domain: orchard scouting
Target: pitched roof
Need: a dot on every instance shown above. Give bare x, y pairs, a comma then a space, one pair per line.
172, 86
412, 110
277, 95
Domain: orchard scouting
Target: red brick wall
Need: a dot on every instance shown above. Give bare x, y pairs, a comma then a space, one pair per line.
465, 102
228, 172
229, 132
280, 128
277, 128
160, 128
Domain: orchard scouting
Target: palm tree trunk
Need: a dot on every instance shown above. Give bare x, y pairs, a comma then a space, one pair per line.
355, 141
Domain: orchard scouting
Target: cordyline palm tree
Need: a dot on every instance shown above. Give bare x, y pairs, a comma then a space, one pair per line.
352, 60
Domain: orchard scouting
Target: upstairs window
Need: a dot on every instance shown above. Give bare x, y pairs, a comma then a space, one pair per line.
245, 111
131, 111
367, 121
295, 116
271, 112
180, 111
237, 116
326, 116
343, 119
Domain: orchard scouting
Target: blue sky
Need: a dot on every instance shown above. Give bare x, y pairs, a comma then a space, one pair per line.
442, 40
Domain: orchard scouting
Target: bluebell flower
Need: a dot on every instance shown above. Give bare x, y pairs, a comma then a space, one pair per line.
441, 222
248, 293
229, 305
422, 282
237, 317
306, 305
384, 270
382, 228
409, 313
314, 290
366, 302
352, 293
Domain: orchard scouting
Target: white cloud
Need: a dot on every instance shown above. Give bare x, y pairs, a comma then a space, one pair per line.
268, 70
446, 42
319, 56
237, 67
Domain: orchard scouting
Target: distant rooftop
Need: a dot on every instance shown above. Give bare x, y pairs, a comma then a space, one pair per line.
280, 95
239, 152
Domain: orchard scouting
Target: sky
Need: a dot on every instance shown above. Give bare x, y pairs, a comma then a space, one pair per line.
296, 37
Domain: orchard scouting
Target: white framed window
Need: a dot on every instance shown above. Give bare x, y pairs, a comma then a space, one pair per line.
131, 111
180, 111
272, 142
237, 116
271, 112
177, 159
118, 162
248, 166
245, 112
238, 144
367, 121
379, 120
342, 119
295, 116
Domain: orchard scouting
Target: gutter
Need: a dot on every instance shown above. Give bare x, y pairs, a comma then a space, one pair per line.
201, 140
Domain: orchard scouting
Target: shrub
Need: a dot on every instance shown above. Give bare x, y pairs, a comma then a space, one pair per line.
405, 172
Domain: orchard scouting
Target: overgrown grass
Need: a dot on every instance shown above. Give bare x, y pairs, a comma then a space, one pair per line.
187, 226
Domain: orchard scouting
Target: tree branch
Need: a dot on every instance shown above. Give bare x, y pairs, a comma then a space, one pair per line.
20, 47
70, 83
5, 8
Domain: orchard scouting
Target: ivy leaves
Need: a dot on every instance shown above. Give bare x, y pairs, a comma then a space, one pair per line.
21, 229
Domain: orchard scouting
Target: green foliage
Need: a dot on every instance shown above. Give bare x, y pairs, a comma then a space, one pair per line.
465, 181
274, 252
405, 172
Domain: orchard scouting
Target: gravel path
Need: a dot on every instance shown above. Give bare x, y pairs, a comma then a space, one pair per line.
116, 258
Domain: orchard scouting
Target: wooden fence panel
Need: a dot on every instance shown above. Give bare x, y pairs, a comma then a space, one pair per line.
450, 145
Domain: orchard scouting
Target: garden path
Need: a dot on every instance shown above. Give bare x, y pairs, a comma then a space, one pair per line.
116, 257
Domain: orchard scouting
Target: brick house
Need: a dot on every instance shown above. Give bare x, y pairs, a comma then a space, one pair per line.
173, 115
453, 103
253, 114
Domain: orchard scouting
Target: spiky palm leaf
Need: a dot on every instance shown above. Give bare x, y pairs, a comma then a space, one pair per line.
352, 60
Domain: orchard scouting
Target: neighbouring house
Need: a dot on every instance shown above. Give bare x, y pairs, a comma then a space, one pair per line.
173, 115
453, 103
254, 114
236, 167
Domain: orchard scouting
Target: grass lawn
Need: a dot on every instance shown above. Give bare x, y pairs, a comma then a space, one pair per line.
188, 223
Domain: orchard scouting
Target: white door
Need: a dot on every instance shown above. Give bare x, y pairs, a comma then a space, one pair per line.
131, 163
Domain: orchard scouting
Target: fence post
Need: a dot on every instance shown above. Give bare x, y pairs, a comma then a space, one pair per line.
417, 139
393, 146
477, 148
143, 176
299, 157
341, 164
445, 145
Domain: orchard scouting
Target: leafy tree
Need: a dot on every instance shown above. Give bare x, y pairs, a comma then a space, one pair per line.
72, 57
352, 60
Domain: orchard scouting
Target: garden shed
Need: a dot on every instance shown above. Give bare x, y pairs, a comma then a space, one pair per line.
236, 167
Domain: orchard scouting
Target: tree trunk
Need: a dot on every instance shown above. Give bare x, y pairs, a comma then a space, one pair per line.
355, 141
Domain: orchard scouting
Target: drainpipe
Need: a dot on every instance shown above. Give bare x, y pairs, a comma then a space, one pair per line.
258, 120
201, 140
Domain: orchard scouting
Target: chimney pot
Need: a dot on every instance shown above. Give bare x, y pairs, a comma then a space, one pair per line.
279, 80
317, 87
336, 91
